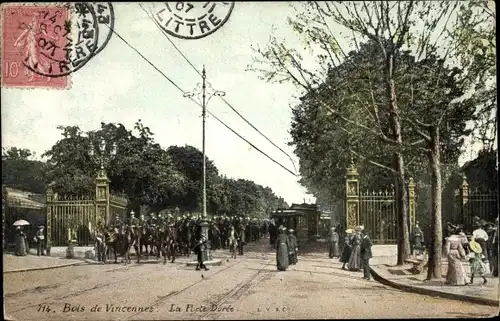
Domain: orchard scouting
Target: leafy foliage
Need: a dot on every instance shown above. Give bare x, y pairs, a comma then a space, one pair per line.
18, 171
138, 167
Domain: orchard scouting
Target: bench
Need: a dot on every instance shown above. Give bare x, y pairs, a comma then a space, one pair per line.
417, 265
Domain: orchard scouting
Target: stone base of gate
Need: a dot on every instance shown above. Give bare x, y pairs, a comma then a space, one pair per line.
214, 262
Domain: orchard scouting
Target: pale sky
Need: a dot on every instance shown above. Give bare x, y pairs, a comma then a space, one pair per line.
119, 86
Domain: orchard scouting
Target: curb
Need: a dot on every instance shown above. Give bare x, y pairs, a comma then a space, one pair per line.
44, 267
434, 293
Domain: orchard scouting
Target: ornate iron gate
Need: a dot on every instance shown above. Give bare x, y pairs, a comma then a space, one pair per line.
75, 218
474, 202
374, 210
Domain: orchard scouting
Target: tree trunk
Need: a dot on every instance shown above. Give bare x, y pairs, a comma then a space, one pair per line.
435, 246
401, 197
399, 176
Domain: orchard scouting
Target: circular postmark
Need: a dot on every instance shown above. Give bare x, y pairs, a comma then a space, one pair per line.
61, 40
192, 20
106, 22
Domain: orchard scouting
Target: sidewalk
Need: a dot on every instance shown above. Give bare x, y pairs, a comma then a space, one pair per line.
13, 263
384, 270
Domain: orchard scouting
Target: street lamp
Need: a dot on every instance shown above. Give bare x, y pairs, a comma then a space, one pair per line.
102, 181
103, 158
206, 95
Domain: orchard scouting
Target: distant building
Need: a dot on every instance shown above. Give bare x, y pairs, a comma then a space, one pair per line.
17, 205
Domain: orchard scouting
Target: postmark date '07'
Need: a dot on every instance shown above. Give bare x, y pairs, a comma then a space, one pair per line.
192, 20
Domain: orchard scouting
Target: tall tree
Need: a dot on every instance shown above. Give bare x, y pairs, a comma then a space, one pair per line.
141, 169
436, 113
188, 160
410, 25
473, 44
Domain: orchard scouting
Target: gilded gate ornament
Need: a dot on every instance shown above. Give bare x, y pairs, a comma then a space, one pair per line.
102, 193
352, 215
351, 189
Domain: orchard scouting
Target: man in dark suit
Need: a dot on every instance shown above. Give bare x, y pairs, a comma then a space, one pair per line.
366, 254
40, 241
199, 248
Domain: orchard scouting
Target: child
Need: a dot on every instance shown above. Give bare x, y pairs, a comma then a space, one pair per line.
477, 265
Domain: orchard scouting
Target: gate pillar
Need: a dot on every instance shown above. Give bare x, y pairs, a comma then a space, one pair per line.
102, 197
466, 220
49, 199
352, 196
411, 195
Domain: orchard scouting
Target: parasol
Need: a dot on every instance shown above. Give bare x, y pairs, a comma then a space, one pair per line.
21, 223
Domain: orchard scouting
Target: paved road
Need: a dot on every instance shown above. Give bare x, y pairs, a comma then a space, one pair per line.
245, 288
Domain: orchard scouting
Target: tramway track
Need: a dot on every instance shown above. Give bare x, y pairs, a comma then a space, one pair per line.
73, 293
238, 291
162, 299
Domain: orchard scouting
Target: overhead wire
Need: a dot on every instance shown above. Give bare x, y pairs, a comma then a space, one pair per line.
222, 98
197, 103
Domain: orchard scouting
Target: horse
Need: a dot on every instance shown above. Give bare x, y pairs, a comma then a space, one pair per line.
157, 239
111, 242
100, 246
186, 235
216, 237
169, 244
121, 241
146, 239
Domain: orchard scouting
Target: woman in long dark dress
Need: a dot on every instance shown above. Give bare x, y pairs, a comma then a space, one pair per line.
346, 250
21, 248
282, 248
355, 259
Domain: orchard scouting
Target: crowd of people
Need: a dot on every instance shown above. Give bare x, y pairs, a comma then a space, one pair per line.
22, 245
356, 250
480, 249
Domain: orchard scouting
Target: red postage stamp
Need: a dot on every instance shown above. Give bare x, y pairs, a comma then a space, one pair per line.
33, 39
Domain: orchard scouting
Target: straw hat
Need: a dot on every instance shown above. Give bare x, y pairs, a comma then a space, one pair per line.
349, 231
475, 247
358, 228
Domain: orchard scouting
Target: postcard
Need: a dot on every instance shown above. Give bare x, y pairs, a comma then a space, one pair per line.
249, 160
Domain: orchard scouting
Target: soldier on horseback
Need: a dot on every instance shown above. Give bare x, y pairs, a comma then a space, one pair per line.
118, 222
133, 221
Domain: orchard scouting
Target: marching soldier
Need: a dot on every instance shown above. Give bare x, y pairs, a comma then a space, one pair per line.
199, 249
118, 222
133, 221
142, 220
40, 241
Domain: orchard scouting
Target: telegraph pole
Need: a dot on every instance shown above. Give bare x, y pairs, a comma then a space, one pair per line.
206, 93
204, 115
